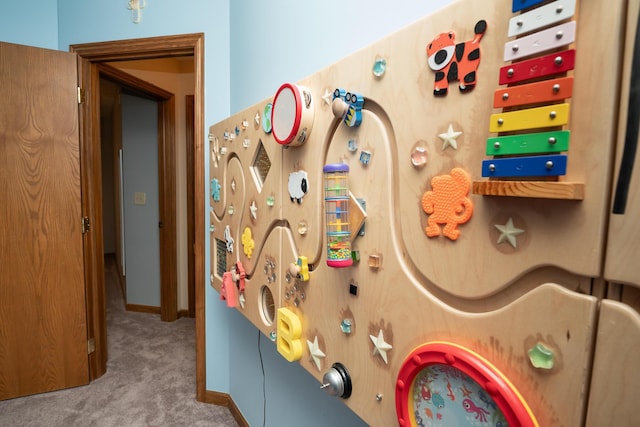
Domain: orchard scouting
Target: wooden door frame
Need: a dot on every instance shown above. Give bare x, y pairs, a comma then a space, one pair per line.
90, 55
190, 130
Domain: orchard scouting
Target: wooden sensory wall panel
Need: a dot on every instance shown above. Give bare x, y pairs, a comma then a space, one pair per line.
453, 248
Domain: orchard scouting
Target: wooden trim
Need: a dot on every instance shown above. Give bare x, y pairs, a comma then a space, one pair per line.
135, 85
217, 398
144, 48
156, 47
139, 308
199, 205
191, 242
223, 399
167, 199
90, 166
237, 415
120, 277
118, 197
183, 313
123, 285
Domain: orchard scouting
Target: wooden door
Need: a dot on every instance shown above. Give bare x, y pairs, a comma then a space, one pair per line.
43, 326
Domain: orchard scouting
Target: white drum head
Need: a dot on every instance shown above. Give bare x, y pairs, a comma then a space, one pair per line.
291, 115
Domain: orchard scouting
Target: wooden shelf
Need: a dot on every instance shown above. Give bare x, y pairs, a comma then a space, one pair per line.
531, 189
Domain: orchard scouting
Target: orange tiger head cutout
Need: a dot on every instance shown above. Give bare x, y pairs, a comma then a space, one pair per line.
455, 61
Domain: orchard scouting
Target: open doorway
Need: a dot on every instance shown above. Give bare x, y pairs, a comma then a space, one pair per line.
129, 216
164, 158
91, 57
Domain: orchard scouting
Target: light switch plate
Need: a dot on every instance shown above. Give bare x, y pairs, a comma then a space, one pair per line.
140, 198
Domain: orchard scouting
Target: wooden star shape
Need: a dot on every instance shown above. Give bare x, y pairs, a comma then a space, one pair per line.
380, 346
327, 97
508, 232
253, 209
449, 138
316, 353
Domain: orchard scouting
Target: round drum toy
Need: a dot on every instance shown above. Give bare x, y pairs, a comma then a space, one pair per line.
292, 114
443, 383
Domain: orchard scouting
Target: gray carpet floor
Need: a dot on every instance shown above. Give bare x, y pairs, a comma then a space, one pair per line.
150, 379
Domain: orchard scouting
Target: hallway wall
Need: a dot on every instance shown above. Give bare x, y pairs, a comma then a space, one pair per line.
141, 217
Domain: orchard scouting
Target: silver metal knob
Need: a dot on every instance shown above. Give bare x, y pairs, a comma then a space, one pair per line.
332, 383
337, 381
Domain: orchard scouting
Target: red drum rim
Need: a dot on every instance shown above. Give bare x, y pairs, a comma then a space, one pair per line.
286, 139
480, 370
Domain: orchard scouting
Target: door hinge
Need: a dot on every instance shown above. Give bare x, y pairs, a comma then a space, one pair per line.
86, 224
91, 345
81, 95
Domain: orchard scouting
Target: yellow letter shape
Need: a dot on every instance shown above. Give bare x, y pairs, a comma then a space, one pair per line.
289, 332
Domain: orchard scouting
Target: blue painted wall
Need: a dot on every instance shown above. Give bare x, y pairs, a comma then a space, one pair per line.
32, 23
279, 41
293, 397
251, 47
